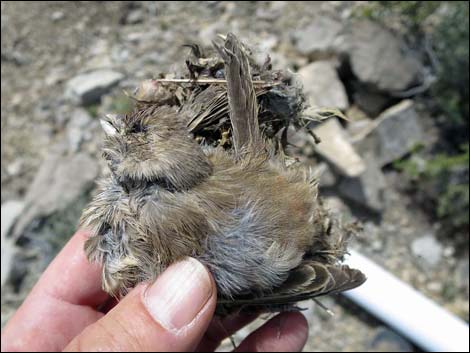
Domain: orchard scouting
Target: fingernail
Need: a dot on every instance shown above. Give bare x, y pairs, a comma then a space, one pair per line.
179, 294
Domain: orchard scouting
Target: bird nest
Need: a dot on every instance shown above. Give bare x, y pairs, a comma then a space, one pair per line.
200, 95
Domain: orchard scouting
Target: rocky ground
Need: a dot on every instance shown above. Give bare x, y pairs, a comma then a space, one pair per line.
64, 64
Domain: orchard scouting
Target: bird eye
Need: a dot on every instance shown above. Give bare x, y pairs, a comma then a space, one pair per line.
137, 128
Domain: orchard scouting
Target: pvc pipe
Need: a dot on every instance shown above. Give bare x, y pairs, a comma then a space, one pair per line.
406, 310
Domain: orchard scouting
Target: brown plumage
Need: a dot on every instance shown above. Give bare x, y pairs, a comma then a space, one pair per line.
257, 224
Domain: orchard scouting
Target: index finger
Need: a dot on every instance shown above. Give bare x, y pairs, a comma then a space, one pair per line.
60, 305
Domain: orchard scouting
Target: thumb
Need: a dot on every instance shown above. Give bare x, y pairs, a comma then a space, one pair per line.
170, 315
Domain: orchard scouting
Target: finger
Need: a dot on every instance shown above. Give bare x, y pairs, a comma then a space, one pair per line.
287, 332
57, 308
170, 315
221, 328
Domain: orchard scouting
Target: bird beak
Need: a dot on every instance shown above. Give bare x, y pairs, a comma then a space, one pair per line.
109, 129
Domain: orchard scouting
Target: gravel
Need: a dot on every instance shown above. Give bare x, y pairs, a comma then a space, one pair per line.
44, 55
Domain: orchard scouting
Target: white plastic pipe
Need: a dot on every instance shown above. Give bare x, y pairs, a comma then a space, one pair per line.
406, 310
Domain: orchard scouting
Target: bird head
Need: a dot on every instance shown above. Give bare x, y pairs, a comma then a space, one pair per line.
153, 145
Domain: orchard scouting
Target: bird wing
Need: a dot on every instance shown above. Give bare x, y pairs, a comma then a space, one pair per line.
241, 96
309, 280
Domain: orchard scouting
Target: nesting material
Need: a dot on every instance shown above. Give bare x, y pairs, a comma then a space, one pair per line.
200, 94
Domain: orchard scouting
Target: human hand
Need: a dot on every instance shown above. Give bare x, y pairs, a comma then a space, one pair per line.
173, 314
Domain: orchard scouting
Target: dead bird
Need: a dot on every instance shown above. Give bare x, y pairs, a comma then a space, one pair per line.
256, 223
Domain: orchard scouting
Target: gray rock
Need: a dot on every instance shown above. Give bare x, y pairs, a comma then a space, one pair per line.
136, 37
380, 59
279, 61
271, 10
99, 56
449, 251
120, 54
377, 57
386, 340
336, 205
10, 212
337, 150
151, 7
354, 113
368, 188
377, 245
15, 167
88, 88
370, 101
396, 131
57, 16
358, 129
135, 16
325, 175
435, 286
399, 130
322, 85
59, 182
207, 33
300, 144
375, 237
427, 249
298, 138
77, 128
266, 43
15, 56
263, 46
55, 76
8, 252
320, 39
